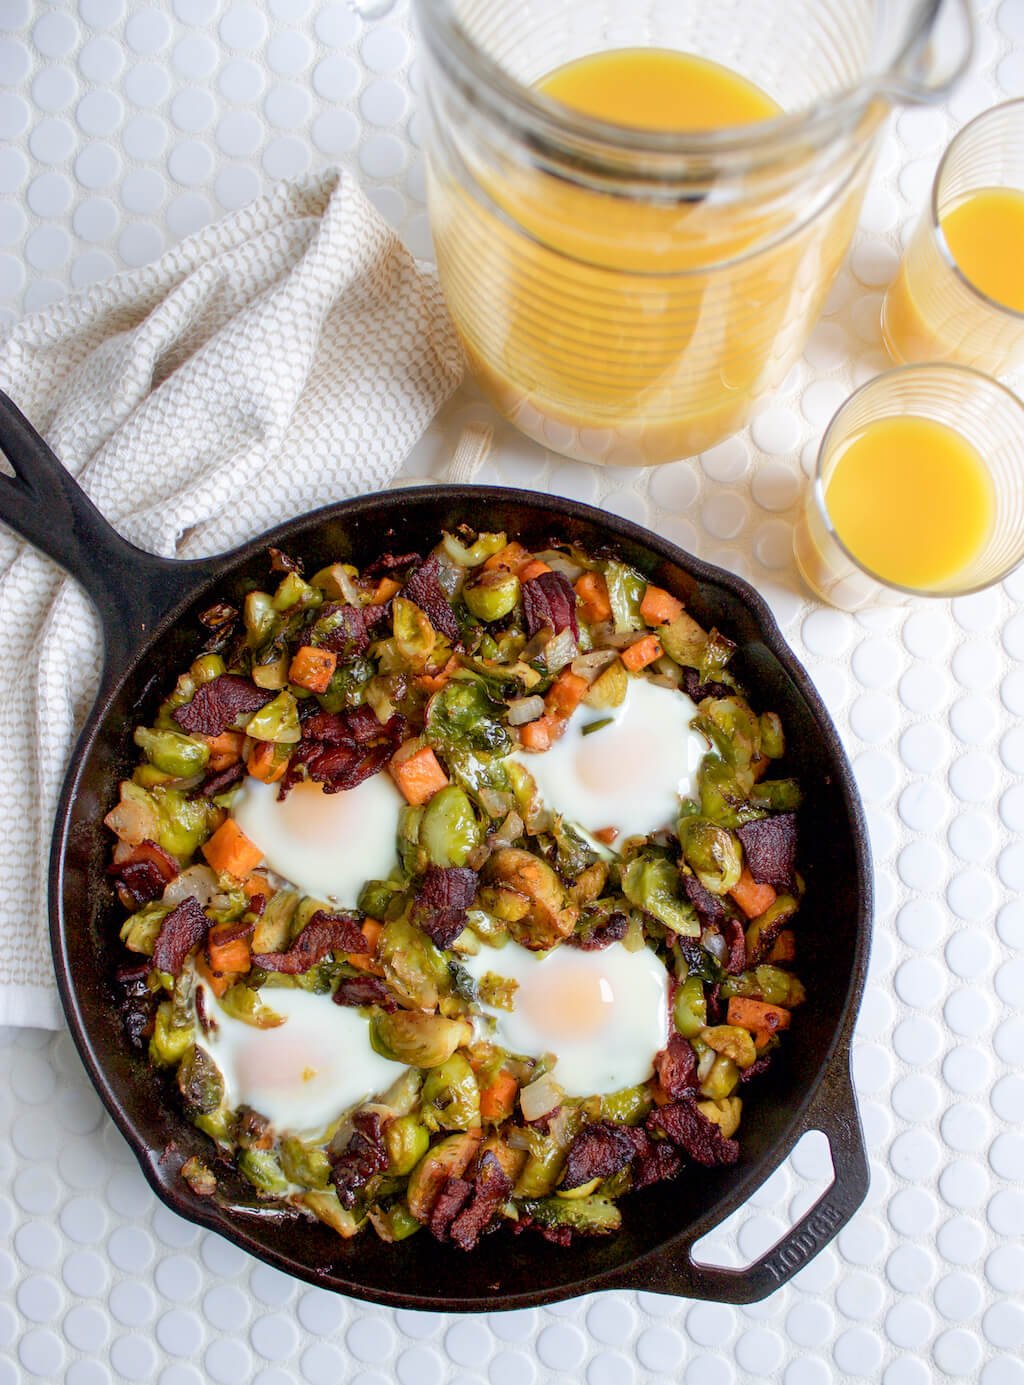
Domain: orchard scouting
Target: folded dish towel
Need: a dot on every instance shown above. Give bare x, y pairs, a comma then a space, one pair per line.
286, 357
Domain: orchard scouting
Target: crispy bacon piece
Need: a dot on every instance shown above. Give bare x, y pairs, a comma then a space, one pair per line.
225, 779
454, 1194
391, 562
240, 928
691, 1131
757, 1068
549, 599
676, 1066
710, 909
182, 929
697, 691
655, 1161
144, 872
364, 990
598, 1151
491, 1188
444, 895
341, 749
713, 1000
424, 588
216, 704
349, 633
769, 846
363, 1156
735, 937
592, 939
324, 933
281, 562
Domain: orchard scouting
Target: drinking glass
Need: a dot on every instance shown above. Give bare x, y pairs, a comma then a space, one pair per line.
932, 311
977, 407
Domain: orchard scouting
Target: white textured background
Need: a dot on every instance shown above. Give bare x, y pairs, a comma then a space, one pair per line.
123, 127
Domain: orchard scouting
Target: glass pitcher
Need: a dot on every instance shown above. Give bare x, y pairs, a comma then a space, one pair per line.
628, 296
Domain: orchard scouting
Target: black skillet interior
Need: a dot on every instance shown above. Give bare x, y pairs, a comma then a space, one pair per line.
504, 1271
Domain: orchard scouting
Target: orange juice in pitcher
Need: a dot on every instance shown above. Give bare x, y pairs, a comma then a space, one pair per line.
637, 218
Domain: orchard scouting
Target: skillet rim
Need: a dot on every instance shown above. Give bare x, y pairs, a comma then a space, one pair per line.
833, 1063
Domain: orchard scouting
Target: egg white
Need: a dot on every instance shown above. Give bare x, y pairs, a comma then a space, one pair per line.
629, 774
304, 1073
328, 844
603, 1014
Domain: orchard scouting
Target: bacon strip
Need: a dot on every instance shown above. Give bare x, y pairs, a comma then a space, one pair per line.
363, 1156
691, 1131
324, 933
491, 1188
364, 990
217, 704
144, 872
549, 599
598, 1151
676, 1066
424, 588
183, 928
444, 895
769, 847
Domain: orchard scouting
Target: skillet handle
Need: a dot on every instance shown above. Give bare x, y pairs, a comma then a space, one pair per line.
834, 1112
42, 502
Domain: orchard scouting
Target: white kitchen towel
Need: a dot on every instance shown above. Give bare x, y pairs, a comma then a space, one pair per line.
284, 358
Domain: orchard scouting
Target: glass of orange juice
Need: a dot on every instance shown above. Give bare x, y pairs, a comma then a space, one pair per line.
959, 292
918, 490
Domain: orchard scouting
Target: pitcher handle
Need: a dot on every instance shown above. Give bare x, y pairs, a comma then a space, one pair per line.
911, 81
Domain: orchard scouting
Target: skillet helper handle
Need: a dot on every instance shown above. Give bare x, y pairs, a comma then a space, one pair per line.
42, 502
834, 1113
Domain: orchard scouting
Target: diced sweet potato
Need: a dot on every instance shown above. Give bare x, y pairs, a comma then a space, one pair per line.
366, 961
225, 750
592, 591
511, 558
230, 852
752, 898
533, 568
566, 693
418, 775
758, 1017
659, 607
643, 652
267, 761
312, 668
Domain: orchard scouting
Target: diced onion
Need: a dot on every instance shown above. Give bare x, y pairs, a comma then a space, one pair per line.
199, 882
560, 650
705, 1064
524, 709
560, 562
495, 802
540, 1097
509, 831
588, 666
716, 945
132, 821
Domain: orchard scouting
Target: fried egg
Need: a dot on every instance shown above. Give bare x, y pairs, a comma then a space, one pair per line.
630, 773
328, 844
603, 1014
302, 1074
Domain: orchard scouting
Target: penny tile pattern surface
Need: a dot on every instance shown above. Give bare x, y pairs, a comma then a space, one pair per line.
126, 126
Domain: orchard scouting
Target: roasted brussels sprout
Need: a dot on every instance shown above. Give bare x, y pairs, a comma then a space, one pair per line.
588, 1216
491, 595
200, 1083
451, 1096
713, 853
652, 883
419, 1039
449, 1158
413, 967
278, 721
407, 1139
261, 1168
463, 713
689, 1007
173, 752
449, 829
528, 896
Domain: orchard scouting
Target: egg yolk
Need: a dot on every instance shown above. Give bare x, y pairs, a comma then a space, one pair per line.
279, 1065
569, 1007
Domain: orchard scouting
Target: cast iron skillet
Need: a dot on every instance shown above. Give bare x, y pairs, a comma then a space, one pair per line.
148, 607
